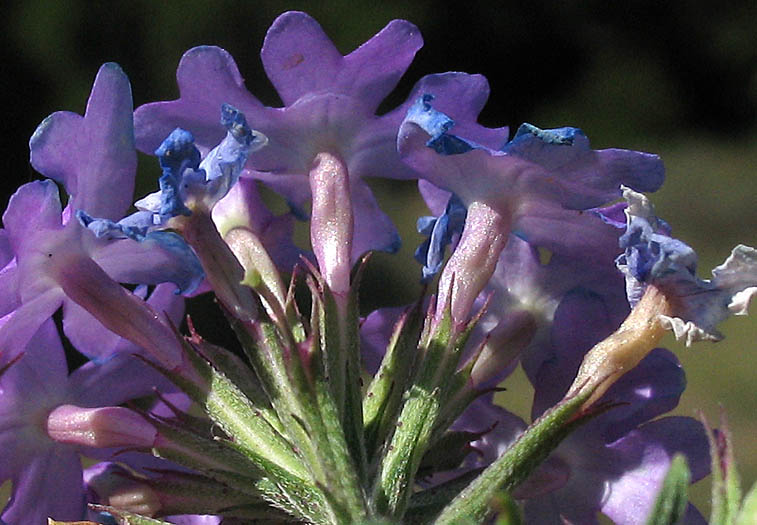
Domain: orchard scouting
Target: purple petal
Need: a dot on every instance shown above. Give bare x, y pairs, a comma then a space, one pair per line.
435, 198
373, 228
643, 458
120, 379
373, 70
298, 57
33, 208
9, 292
569, 232
207, 77
501, 428
570, 505
120, 311
463, 96
160, 257
243, 207
651, 389
35, 383
375, 332
18, 327
49, 486
97, 342
92, 156
553, 367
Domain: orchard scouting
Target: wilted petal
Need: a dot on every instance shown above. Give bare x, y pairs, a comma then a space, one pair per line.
653, 258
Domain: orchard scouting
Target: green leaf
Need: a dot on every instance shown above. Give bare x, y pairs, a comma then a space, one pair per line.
748, 514
671, 502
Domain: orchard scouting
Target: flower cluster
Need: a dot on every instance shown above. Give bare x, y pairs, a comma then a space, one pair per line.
556, 262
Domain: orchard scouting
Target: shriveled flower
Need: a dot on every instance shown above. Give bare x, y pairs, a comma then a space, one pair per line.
653, 258
330, 104
188, 183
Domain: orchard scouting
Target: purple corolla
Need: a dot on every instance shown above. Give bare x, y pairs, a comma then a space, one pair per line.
538, 179
36, 395
330, 104
56, 262
613, 464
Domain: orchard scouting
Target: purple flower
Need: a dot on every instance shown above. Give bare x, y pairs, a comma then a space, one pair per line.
330, 107
653, 258
188, 184
570, 258
56, 261
613, 464
537, 180
47, 475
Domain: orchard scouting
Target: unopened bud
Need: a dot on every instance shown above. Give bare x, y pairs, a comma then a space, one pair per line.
332, 222
99, 427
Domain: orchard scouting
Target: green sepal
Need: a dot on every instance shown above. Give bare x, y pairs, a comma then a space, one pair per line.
506, 509
518, 461
123, 517
239, 374
344, 472
748, 513
383, 397
338, 320
726, 486
258, 514
284, 370
186, 493
213, 457
399, 464
670, 504
291, 494
236, 415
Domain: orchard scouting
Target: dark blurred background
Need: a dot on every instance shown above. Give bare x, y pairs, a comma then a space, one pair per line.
677, 78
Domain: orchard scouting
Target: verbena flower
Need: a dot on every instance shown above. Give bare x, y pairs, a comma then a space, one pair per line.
189, 183
613, 464
567, 264
536, 180
56, 261
330, 104
47, 474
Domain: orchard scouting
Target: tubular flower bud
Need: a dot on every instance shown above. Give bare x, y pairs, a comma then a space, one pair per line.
332, 222
100, 427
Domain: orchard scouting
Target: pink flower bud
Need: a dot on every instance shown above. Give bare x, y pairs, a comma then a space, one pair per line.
470, 267
332, 222
100, 427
